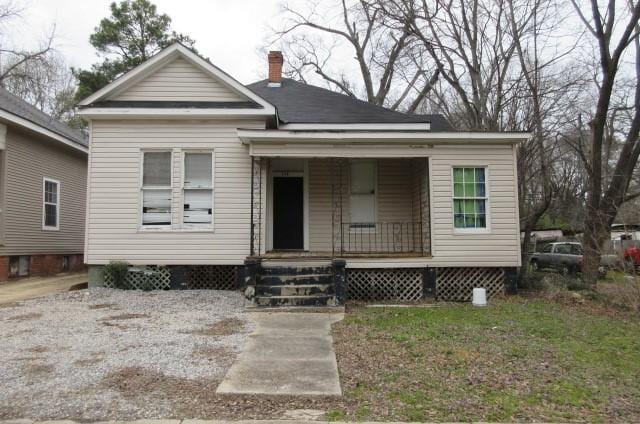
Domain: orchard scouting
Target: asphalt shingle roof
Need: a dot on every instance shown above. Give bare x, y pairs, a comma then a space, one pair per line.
298, 102
22, 109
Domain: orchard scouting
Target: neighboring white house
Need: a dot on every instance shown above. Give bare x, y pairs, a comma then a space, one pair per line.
192, 170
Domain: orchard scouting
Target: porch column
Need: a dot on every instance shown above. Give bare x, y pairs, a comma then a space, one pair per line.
336, 206
256, 207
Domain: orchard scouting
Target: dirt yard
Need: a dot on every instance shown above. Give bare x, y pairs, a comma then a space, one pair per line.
100, 353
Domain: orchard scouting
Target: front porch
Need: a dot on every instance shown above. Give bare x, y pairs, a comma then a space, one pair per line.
328, 208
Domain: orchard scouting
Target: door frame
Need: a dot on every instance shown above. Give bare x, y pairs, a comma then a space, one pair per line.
305, 202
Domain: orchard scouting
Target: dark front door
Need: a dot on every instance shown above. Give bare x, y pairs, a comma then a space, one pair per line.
288, 213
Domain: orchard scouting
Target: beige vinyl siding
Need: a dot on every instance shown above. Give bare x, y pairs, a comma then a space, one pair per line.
179, 81
113, 227
500, 245
27, 159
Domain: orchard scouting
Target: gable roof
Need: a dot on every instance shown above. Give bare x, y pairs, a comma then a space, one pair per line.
22, 113
298, 102
161, 59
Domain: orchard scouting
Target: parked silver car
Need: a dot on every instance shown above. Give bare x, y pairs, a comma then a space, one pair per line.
566, 257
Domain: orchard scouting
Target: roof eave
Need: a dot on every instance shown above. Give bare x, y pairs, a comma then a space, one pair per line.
175, 113
418, 137
39, 129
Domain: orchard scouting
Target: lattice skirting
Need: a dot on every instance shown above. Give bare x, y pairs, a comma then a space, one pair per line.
403, 284
149, 278
211, 277
456, 284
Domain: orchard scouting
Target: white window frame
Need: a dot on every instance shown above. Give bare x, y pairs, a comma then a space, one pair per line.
45, 203
373, 229
198, 227
141, 225
487, 208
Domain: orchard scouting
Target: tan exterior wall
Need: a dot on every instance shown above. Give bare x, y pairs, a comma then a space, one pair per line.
179, 81
113, 224
113, 229
27, 159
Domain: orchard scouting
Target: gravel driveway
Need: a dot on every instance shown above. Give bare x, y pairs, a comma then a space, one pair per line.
101, 353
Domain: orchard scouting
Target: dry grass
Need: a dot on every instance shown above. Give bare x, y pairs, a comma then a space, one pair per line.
198, 398
37, 370
24, 317
37, 349
213, 353
87, 362
226, 327
125, 317
103, 306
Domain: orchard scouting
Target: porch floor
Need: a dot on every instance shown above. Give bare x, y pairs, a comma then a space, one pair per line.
295, 254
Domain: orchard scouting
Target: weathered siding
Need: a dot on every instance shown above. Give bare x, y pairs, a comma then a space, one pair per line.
113, 230
27, 159
179, 81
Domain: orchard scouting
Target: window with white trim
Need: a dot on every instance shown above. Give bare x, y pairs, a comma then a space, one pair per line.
50, 204
197, 189
156, 189
469, 198
362, 203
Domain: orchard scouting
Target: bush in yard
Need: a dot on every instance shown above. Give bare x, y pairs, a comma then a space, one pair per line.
118, 270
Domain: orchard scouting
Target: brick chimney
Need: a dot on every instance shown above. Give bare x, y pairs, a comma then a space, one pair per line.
275, 68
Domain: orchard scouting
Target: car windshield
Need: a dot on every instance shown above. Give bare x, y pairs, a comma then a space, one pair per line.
576, 249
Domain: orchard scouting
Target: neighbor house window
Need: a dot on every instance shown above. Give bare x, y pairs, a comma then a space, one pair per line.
198, 189
363, 194
156, 189
469, 198
50, 204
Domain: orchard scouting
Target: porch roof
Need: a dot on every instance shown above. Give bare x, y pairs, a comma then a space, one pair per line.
345, 143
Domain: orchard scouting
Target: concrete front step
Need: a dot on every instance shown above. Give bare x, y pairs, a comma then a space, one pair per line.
299, 279
312, 300
294, 290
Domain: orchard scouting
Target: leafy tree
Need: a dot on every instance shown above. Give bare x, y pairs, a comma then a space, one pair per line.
132, 34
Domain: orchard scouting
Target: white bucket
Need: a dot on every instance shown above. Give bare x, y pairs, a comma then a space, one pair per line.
479, 297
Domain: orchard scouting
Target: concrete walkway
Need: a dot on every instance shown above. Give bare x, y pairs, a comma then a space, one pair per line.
29, 288
289, 354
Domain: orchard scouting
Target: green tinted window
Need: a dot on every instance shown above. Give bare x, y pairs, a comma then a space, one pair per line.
469, 197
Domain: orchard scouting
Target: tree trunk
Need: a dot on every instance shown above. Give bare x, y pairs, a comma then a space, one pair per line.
596, 233
526, 256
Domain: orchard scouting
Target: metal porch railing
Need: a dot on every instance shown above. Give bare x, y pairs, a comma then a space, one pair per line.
381, 238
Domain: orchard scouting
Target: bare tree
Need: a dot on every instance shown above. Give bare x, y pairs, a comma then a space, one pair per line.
15, 60
614, 36
391, 71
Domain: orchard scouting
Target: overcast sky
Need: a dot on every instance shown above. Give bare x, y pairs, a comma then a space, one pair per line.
228, 32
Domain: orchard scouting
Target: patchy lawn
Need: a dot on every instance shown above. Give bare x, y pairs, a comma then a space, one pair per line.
516, 360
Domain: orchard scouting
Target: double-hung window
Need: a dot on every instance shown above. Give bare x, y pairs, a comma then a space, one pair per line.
363, 194
198, 189
156, 189
469, 198
50, 204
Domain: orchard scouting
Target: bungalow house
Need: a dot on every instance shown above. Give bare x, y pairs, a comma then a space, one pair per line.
303, 192
43, 168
